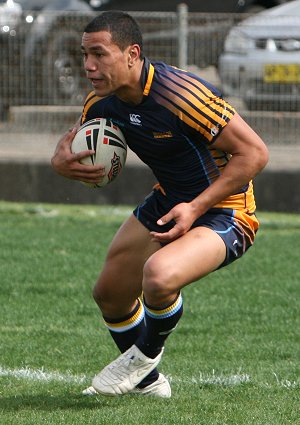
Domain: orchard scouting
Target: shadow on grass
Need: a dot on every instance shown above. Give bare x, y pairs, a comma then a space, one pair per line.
48, 402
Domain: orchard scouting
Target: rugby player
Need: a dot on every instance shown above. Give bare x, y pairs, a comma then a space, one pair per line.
200, 216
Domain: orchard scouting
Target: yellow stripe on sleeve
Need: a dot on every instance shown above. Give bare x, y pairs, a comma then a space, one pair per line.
90, 100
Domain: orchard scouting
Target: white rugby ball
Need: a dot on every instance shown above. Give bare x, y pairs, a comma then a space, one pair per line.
109, 144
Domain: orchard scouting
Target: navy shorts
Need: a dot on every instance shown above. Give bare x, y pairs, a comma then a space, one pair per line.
236, 230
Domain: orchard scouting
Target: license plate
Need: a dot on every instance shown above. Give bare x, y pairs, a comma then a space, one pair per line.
278, 73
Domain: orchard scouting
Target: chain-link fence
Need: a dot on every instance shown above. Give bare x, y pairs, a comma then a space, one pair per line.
254, 63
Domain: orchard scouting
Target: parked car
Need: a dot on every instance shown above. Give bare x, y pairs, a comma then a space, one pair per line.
39, 57
206, 6
261, 60
206, 33
40, 61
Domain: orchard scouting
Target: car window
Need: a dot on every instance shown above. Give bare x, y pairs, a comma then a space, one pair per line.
33, 4
53, 5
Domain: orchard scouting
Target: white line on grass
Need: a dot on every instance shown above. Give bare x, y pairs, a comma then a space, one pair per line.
222, 380
42, 375
213, 379
286, 383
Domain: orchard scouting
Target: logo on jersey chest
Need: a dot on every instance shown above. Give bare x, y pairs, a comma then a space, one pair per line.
135, 119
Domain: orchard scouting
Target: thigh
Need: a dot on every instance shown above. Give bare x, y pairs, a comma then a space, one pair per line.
120, 281
185, 260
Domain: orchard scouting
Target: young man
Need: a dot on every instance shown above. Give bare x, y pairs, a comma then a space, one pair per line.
201, 215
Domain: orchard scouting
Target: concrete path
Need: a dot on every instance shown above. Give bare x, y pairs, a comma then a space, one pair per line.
33, 147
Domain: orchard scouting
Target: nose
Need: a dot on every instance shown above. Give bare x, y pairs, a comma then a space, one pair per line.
89, 64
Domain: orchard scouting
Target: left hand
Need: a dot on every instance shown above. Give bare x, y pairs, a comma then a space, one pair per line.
184, 215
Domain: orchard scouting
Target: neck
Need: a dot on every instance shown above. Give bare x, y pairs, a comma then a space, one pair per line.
133, 97
133, 92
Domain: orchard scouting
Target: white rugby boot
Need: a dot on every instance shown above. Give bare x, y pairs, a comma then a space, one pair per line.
125, 373
90, 391
159, 388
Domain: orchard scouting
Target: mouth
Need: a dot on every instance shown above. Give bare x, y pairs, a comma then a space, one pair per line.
100, 85
95, 81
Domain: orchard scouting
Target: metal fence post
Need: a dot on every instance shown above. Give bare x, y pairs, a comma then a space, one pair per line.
182, 15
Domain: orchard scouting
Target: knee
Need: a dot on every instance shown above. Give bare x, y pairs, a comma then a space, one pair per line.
108, 302
114, 300
158, 280
101, 295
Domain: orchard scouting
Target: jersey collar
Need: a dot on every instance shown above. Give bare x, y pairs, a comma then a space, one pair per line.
147, 76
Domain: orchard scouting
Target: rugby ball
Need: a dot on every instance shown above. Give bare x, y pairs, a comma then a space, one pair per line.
109, 144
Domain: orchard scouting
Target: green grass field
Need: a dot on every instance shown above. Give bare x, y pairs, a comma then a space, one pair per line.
234, 358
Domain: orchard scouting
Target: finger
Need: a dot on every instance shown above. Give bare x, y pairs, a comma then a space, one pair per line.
167, 236
91, 180
87, 177
75, 127
83, 154
97, 170
71, 134
165, 219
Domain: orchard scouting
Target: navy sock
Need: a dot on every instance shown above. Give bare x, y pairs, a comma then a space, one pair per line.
126, 330
160, 323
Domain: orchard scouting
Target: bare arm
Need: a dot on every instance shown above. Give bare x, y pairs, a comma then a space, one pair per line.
249, 157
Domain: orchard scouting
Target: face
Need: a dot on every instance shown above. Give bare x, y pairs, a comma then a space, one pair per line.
106, 66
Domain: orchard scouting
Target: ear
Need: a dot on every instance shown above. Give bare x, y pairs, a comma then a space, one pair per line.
134, 52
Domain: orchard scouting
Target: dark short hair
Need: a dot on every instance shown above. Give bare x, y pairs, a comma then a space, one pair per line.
122, 27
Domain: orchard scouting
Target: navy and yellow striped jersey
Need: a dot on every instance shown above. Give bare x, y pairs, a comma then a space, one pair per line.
173, 129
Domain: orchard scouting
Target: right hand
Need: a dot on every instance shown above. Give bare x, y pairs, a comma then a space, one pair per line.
67, 163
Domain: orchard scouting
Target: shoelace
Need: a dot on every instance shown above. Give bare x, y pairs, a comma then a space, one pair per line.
122, 364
